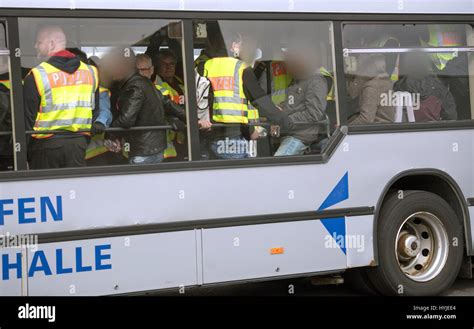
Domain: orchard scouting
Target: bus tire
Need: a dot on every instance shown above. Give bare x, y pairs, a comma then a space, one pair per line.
420, 245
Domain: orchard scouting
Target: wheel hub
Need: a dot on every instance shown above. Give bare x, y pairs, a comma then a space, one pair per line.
421, 246
408, 246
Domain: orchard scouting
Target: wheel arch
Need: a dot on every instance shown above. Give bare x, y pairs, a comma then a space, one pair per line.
430, 180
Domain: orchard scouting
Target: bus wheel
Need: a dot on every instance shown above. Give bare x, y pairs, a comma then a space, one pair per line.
420, 245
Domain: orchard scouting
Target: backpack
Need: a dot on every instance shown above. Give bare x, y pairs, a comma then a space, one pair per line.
203, 95
430, 109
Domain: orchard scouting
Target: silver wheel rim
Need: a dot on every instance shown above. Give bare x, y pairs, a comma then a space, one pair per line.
421, 246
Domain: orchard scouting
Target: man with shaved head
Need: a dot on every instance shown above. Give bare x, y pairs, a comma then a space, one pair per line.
60, 95
49, 40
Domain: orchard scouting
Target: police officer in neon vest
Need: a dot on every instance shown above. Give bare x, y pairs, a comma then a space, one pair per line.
171, 86
60, 95
237, 98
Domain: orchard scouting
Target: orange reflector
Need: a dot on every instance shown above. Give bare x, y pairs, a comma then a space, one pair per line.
277, 251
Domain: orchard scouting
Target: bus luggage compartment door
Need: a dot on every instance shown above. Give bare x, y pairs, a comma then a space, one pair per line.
268, 250
114, 265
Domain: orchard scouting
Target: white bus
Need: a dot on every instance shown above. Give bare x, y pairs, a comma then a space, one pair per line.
389, 200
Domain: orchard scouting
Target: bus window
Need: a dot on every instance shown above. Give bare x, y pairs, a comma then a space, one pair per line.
264, 88
103, 91
6, 138
3, 36
408, 72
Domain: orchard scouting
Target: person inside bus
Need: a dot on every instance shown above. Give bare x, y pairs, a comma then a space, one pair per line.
146, 69
97, 152
159, 39
305, 103
230, 105
145, 66
171, 86
435, 100
60, 76
6, 141
371, 82
451, 68
139, 103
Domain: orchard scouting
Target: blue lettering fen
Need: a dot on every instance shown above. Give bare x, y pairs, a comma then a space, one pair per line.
23, 210
4, 212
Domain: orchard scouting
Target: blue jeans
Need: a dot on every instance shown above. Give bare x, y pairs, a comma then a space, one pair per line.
230, 148
146, 159
290, 146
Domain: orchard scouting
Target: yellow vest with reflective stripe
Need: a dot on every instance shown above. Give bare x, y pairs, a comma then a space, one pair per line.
229, 102
280, 81
96, 145
6, 83
326, 73
67, 99
443, 35
167, 90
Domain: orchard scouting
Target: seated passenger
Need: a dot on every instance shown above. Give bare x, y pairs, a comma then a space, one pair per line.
371, 83
435, 100
306, 101
140, 104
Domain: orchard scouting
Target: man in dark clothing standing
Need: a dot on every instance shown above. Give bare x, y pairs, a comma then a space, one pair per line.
6, 141
139, 103
59, 94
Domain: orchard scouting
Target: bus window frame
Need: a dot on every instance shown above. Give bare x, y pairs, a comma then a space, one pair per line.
187, 17
393, 127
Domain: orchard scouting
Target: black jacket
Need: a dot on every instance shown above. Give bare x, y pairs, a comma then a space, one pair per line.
139, 103
6, 146
426, 86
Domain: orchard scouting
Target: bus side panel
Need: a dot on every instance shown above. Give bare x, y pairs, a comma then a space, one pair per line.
268, 250
359, 241
11, 271
114, 265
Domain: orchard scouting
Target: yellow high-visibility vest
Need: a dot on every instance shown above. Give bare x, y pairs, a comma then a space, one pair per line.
67, 99
442, 35
6, 83
96, 145
330, 96
280, 80
229, 102
167, 90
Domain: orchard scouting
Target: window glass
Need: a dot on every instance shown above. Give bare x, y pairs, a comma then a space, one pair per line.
121, 75
264, 88
408, 72
6, 138
3, 35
